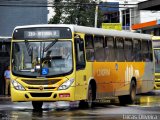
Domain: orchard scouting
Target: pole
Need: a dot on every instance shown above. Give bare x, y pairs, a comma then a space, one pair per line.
96, 14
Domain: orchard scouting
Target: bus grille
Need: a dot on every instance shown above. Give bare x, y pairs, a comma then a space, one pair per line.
157, 80
41, 82
38, 88
41, 94
157, 76
158, 85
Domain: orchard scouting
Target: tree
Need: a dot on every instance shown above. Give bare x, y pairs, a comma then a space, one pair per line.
58, 12
80, 12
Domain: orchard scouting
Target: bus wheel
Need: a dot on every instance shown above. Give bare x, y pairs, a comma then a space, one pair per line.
83, 104
129, 99
132, 95
37, 105
89, 102
90, 96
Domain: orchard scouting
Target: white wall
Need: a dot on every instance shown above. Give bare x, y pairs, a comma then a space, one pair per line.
146, 16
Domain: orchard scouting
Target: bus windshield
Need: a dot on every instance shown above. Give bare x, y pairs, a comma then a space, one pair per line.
157, 60
33, 58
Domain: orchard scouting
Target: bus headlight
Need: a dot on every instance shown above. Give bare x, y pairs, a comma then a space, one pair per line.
66, 84
17, 85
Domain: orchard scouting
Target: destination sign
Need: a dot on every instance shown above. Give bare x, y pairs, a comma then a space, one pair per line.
36, 33
42, 34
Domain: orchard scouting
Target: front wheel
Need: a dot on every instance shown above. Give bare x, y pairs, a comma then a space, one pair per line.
90, 96
89, 102
37, 105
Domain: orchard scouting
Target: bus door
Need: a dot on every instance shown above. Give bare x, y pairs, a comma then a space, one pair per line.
80, 75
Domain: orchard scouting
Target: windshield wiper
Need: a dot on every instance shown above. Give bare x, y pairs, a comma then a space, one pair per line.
50, 45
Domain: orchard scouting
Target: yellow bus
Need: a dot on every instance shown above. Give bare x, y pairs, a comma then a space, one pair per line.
76, 63
156, 48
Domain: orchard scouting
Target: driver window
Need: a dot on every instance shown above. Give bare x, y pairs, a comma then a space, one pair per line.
80, 58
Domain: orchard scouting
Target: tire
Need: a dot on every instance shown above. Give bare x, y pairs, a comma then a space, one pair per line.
89, 102
90, 96
132, 95
83, 104
37, 105
129, 99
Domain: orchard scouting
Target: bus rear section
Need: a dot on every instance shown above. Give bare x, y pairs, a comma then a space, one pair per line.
122, 66
156, 49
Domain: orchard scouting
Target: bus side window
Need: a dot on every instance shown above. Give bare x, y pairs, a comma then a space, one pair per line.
150, 50
109, 49
128, 46
99, 48
89, 47
145, 51
137, 50
120, 49
80, 57
4, 49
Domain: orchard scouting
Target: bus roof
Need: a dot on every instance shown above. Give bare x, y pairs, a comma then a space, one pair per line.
91, 30
156, 38
5, 39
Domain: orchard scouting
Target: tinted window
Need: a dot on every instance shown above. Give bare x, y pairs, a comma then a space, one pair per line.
89, 47
120, 49
150, 51
109, 49
89, 41
145, 51
80, 57
99, 49
137, 50
5, 49
128, 46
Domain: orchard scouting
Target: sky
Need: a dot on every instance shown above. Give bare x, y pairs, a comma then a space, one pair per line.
51, 12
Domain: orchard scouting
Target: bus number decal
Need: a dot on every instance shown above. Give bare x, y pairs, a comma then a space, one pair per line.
103, 72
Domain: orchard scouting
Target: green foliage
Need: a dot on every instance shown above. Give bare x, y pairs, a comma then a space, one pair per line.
79, 12
58, 12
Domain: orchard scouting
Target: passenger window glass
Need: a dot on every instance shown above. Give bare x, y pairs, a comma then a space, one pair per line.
137, 56
120, 49
128, 45
80, 57
145, 51
109, 49
89, 47
99, 49
89, 41
150, 51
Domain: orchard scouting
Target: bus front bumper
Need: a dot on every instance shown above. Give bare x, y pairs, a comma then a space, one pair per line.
157, 85
61, 95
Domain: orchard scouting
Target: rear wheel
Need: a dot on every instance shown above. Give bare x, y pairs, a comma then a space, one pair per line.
37, 105
133, 92
129, 99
